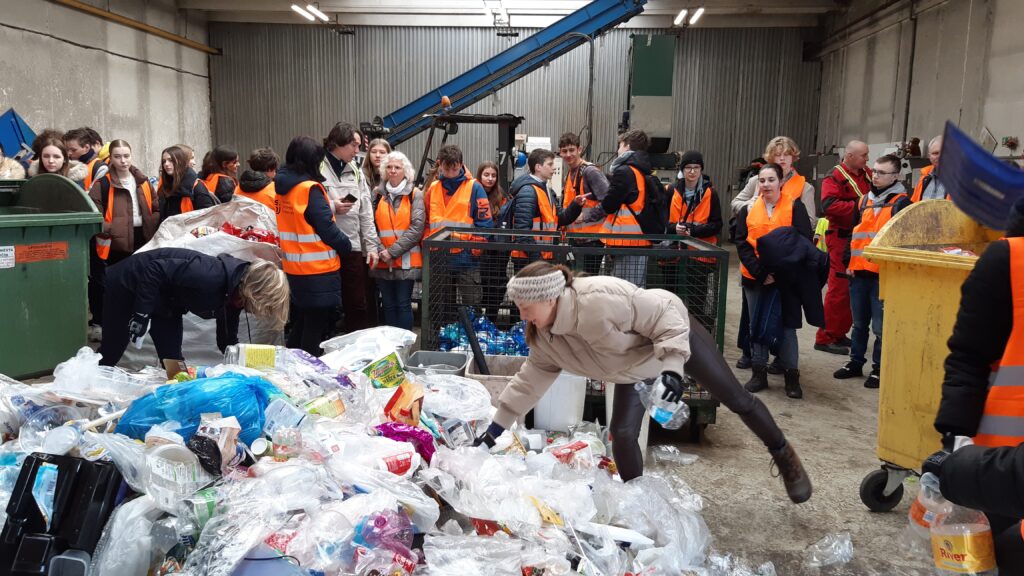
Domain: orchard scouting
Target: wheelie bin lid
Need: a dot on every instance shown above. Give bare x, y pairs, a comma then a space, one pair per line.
919, 233
45, 200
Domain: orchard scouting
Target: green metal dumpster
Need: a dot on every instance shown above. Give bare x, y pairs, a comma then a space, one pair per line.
45, 227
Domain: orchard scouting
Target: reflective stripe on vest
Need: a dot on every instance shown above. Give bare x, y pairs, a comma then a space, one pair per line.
103, 241
577, 187
793, 189
304, 252
90, 176
760, 223
863, 233
1002, 421
266, 196
623, 222
455, 213
544, 220
919, 187
850, 180
680, 211
391, 226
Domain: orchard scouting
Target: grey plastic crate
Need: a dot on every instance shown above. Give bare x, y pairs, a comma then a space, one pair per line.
422, 360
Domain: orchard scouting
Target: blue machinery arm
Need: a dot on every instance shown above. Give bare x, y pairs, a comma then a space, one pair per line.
505, 68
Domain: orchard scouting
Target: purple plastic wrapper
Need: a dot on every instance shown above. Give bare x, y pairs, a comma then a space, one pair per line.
418, 437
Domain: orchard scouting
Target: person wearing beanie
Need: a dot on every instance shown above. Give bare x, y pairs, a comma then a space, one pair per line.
983, 403
576, 323
695, 209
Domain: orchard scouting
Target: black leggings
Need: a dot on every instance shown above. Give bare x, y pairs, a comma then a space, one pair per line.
708, 367
309, 326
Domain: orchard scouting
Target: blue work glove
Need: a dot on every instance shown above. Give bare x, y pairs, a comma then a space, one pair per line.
673, 387
490, 436
137, 327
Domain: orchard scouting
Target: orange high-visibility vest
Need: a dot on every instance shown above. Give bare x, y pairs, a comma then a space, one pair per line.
89, 173
391, 226
794, 187
759, 223
919, 187
576, 187
680, 211
544, 220
267, 196
870, 224
103, 241
304, 252
455, 213
1002, 422
623, 222
212, 180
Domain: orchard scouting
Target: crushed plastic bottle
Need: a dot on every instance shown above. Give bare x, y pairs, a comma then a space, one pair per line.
962, 543
928, 505
671, 415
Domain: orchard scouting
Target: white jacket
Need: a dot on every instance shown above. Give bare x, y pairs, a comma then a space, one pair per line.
749, 193
358, 224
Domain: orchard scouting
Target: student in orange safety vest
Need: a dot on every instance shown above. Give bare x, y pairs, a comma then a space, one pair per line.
532, 208
585, 186
695, 210
180, 188
220, 167
983, 395
456, 200
626, 197
311, 242
929, 187
886, 197
84, 145
257, 183
401, 219
771, 210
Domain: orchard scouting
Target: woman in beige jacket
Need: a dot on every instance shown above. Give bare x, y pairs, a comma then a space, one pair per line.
606, 328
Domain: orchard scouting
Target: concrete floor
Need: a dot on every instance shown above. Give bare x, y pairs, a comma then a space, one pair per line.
833, 429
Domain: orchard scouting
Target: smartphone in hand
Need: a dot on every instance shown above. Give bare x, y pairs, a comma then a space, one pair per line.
350, 199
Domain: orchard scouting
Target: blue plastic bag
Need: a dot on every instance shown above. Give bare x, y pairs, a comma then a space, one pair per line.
244, 397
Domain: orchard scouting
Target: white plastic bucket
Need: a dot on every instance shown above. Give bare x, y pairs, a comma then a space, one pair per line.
562, 405
609, 402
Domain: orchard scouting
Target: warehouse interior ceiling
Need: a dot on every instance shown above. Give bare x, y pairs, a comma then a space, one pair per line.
520, 13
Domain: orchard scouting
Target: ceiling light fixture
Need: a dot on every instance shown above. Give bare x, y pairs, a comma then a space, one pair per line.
696, 15
316, 12
302, 12
682, 16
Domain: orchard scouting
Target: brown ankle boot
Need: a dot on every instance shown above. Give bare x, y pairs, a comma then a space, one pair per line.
759, 380
798, 484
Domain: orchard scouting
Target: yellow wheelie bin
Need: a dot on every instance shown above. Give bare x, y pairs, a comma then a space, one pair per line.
920, 287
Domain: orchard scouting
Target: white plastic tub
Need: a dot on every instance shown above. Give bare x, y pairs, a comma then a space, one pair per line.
562, 405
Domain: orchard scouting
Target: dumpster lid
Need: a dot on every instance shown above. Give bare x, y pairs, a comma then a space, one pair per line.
919, 232
48, 200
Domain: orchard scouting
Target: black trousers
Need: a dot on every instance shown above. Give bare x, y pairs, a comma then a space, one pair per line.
98, 275
164, 329
708, 367
308, 329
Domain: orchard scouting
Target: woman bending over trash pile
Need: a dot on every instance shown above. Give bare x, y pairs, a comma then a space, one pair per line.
606, 328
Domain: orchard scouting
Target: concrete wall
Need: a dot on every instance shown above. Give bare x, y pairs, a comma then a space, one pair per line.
965, 69
63, 68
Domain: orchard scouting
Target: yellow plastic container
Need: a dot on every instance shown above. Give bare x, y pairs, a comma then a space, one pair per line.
920, 286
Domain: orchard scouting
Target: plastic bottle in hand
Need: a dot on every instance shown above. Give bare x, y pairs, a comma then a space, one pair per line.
962, 543
928, 506
671, 415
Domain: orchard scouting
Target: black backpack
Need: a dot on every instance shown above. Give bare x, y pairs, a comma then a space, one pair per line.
653, 217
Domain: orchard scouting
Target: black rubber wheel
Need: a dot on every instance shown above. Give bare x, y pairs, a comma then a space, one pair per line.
871, 492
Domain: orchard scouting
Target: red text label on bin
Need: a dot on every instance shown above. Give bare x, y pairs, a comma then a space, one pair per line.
28, 253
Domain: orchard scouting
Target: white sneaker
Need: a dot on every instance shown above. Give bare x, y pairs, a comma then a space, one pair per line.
95, 333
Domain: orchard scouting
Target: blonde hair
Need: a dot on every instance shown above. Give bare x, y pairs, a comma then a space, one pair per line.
368, 169
543, 268
264, 291
781, 145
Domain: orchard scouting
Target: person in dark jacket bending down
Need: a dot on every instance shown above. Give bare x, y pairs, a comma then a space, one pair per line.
152, 290
311, 242
989, 329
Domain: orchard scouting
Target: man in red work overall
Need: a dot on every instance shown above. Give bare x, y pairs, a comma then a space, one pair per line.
840, 192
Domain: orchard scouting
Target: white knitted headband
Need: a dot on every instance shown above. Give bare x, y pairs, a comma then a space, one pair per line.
536, 288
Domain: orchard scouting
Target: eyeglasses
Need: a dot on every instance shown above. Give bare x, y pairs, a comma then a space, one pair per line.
881, 173
692, 168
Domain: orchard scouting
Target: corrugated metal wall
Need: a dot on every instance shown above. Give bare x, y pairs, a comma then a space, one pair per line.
734, 88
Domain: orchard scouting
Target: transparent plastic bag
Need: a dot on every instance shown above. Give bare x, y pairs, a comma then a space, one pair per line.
496, 555
128, 456
666, 454
422, 509
380, 336
450, 396
835, 548
82, 379
125, 547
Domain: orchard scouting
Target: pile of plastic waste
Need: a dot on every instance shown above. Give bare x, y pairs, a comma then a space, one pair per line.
277, 462
511, 342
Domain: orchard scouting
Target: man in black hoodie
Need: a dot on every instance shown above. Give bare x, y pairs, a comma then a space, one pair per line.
980, 477
627, 171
